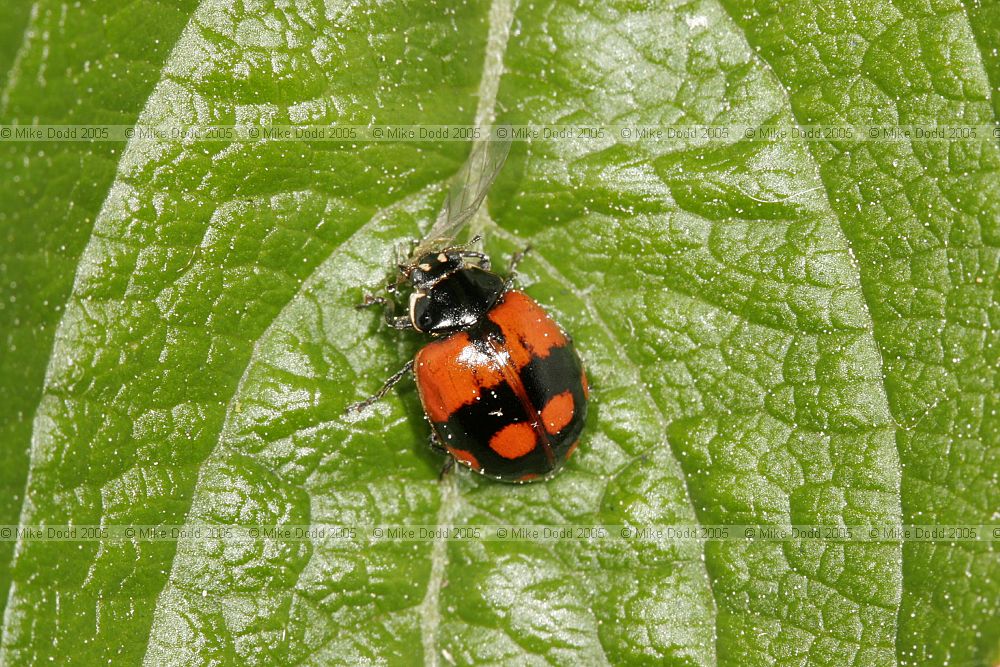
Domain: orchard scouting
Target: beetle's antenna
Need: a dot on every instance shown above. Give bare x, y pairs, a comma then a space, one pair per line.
465, 246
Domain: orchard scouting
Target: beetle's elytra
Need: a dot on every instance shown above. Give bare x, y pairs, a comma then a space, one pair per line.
501, 384
506, 396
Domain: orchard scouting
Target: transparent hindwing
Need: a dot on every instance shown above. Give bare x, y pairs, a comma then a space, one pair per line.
467, 192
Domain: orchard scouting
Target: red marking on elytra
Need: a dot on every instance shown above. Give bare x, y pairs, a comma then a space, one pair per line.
529, 332
464, 457
453, 372
514, 440
557, 413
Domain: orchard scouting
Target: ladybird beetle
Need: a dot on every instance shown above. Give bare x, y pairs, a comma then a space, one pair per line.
501, 383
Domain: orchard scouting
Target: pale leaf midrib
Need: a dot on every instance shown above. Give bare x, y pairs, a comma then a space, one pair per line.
254, 355
431, 620
500, 19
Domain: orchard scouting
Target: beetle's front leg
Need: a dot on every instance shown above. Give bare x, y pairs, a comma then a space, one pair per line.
391, 319
389, 384
401, 323
372, 300
447, 468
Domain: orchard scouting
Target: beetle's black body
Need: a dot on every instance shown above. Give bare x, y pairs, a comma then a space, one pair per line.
450, 296
501, 383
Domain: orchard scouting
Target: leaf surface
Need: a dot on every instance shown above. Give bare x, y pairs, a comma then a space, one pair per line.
776, 333
55, 67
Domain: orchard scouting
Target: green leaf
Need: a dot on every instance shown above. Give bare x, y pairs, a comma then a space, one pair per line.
776, 333
923, 220
55, 67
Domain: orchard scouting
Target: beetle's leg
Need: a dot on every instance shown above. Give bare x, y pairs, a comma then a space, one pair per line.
449, 462
389, 384
372, 300
515, 259
436, 445
401, 323
449, 465
484, 260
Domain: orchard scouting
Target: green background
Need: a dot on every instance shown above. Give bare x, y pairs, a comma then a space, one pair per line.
776, 332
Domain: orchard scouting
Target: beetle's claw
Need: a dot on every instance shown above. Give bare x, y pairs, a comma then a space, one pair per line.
370, 301
447, 468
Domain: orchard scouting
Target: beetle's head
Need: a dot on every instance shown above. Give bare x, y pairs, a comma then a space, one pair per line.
431, 267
